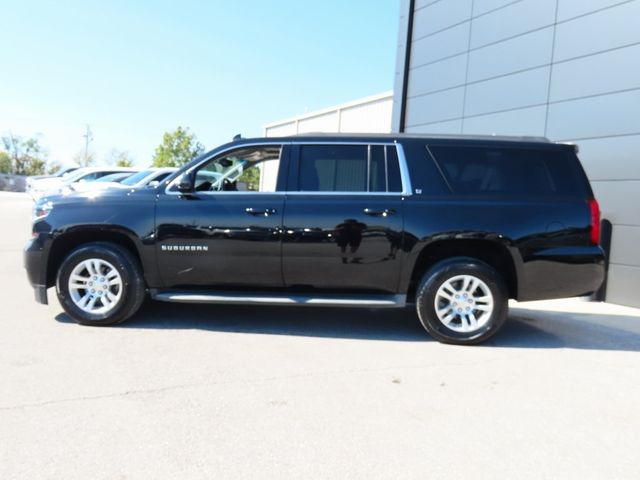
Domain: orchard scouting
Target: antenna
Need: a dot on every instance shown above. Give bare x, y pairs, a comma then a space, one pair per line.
237, 137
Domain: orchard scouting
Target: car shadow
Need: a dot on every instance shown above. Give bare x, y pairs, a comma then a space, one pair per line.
523, 329
356, 323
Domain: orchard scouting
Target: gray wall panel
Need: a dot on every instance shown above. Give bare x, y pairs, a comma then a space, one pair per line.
435, 107
518, 90
453, 126
601, 116
525, 121
623, 285
573, 8
440, 45
438, 76
400, 63
611, 158
513, 20
439, 16
593, 74
609, 28
593, 98
424, 3
484, 6
527, 51
618, 200
624, 246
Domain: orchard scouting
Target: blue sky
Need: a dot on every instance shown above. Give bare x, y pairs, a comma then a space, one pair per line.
133, 70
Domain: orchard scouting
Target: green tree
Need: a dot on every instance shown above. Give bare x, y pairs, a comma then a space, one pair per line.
119, 158
5, 162
177, 148
27, 157
251, 176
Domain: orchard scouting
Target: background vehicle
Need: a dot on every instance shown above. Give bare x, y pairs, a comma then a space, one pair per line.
60, 173
55, 185
141, 179
97, 184
455, 225
63, 172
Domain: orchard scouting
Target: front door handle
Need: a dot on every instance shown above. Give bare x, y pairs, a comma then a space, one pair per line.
265, 212
385, 212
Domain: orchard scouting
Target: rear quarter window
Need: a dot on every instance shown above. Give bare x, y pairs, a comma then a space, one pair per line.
513, 172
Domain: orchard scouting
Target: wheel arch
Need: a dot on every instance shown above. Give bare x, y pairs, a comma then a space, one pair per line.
68, 241
494, 254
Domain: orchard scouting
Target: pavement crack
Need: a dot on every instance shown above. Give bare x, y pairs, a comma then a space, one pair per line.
168, 388
100, 397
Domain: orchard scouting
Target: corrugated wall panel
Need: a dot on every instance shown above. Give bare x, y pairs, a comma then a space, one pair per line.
372, 117
366, 115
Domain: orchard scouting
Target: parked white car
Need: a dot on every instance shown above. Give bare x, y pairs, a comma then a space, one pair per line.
55, 185
141, 179
62, 172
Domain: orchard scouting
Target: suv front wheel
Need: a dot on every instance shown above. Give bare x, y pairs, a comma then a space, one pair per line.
100, 284
462, 301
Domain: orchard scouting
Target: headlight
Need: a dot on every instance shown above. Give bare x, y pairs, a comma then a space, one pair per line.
41, 210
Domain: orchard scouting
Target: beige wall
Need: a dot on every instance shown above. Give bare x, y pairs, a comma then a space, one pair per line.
366, 115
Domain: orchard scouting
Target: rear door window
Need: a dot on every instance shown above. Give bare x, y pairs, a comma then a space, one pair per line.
499, 171
349, 168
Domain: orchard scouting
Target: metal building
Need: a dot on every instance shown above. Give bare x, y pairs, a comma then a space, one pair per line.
564, 69
369, 114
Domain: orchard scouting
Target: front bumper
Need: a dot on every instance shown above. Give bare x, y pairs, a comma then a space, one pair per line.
35, 264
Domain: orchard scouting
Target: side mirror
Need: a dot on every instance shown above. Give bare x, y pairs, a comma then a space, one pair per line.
185, 183
153, 183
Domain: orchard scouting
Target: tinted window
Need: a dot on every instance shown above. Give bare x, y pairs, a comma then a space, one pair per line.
161, 177
510, 171
393, 170
114, 177
103, 174
378, 173
87, 178
136, 177
348, 168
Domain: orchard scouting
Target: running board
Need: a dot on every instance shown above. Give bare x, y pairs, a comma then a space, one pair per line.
271, 298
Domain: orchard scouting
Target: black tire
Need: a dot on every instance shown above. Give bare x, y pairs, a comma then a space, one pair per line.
447, 270
131, 293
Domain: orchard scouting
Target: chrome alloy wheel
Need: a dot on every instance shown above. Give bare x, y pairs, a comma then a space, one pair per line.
95, 286
464, 303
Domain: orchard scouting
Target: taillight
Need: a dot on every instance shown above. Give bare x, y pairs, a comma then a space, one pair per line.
594, 210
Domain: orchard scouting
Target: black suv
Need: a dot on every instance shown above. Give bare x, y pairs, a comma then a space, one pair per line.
455, 225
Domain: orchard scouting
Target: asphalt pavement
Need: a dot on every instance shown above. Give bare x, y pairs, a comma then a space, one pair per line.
204, 392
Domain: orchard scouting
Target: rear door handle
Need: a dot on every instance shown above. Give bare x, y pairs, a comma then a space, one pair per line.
265, 212
379, 213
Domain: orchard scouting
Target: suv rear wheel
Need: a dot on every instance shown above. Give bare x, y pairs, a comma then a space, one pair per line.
100, 284
462, 301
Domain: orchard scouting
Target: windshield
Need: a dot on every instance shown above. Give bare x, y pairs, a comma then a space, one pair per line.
76, 174
114, 177
65, 172
133, 179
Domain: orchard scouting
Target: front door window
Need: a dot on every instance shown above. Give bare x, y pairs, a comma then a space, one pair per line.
251, 169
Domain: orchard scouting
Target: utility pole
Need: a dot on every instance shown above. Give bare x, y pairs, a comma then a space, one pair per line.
88, 137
